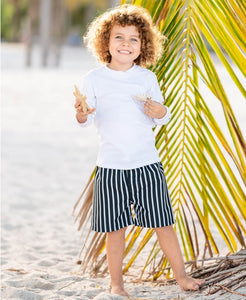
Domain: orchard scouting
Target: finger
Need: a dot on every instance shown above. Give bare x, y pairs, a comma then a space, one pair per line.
80, 111
77, 106
147, 113
92, 110
147, 105
77, 102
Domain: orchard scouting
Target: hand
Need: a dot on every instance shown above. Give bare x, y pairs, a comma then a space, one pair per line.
154, 109
81, 115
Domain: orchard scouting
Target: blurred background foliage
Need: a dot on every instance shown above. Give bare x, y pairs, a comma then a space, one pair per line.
13, 15
78, 13
49, 24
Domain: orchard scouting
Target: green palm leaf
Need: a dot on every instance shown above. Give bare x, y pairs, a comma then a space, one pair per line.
205, 169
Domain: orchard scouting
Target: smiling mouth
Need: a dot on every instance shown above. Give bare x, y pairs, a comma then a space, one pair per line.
124, 52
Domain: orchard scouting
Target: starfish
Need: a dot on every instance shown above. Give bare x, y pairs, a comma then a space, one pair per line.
82, 98
142, 98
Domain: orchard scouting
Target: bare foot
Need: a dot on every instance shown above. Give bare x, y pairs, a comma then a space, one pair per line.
189, 283
118, 290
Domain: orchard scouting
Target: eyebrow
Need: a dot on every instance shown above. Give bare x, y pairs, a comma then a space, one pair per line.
123, 34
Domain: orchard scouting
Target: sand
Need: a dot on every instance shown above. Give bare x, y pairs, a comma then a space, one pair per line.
45, 164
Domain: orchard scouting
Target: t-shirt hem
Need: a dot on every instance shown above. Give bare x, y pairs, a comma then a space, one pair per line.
127, 166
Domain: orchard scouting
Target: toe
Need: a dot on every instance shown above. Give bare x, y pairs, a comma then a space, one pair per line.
200, 281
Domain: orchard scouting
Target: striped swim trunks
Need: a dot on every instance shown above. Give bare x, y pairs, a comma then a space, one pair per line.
125, 197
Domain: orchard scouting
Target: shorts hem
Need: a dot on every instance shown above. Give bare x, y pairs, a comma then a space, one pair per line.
156, 226
137, 225
111, 230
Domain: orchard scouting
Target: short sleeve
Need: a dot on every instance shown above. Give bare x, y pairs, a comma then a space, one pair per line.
87, 90
156, 95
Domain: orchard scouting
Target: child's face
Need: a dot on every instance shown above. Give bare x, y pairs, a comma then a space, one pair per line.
124, 46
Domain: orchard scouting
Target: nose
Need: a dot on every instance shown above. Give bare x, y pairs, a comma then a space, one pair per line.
125, 42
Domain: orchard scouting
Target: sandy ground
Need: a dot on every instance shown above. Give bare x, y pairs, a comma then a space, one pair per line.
46, 163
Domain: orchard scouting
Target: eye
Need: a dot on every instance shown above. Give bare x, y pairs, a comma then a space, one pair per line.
118, 37
134, 40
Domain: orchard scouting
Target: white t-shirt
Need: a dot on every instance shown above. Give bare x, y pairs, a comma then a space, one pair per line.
126, 138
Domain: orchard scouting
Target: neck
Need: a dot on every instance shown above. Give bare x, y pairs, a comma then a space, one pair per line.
119, 67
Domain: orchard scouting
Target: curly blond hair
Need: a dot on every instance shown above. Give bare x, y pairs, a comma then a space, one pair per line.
98, 34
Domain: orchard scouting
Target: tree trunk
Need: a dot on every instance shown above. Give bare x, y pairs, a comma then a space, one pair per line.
16, 21
31, 28
45, 28
58, 22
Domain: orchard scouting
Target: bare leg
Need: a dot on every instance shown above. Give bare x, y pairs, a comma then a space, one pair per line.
170, 246
115, 252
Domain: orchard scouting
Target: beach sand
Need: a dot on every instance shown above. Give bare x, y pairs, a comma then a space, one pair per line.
46, 161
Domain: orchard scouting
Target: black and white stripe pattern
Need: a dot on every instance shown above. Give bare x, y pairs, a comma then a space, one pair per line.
115, 191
